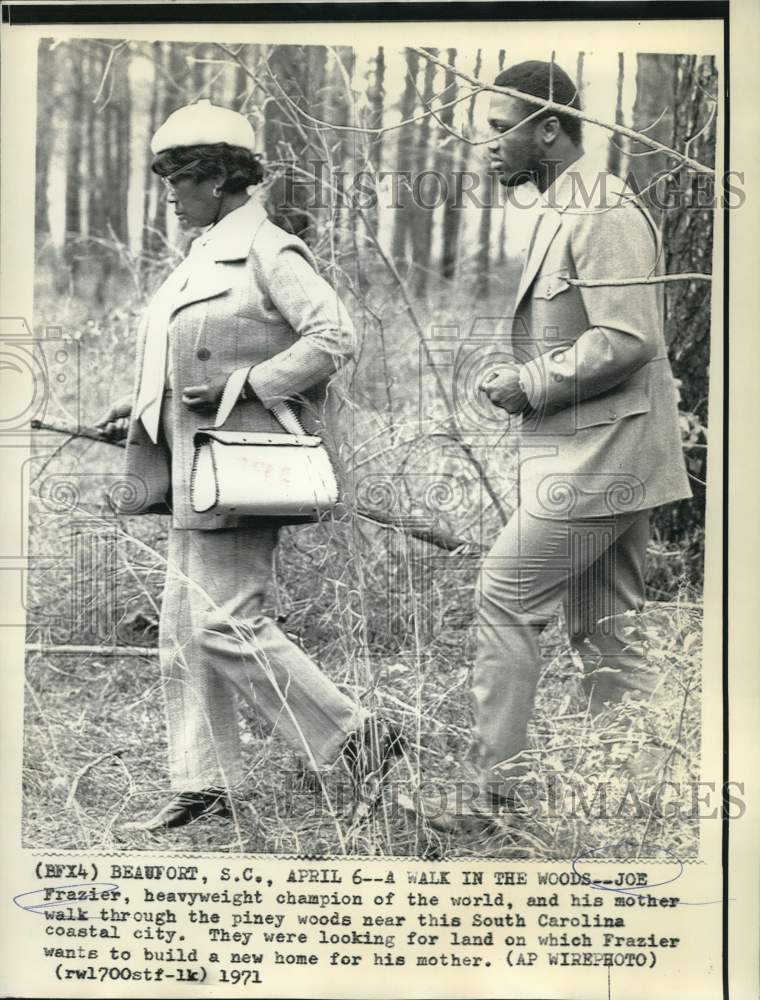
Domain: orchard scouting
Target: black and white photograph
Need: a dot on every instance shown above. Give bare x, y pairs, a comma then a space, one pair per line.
378, 580
367, 498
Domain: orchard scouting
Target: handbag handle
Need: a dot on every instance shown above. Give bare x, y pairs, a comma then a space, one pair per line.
232, 389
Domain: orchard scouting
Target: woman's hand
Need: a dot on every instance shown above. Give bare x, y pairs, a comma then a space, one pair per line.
204, 398
114, 424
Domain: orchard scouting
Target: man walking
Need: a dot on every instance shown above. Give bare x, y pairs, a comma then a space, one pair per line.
591, 391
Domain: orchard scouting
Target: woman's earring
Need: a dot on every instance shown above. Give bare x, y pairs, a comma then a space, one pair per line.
217, 192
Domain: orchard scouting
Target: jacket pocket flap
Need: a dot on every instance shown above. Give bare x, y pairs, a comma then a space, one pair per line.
546, 286
594, 412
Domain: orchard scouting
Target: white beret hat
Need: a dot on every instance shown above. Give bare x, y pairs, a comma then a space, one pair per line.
202, 124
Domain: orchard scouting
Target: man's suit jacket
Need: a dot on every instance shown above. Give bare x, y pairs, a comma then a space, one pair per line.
601, 435
249, 304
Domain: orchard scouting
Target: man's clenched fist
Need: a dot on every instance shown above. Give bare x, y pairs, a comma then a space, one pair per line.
502, 386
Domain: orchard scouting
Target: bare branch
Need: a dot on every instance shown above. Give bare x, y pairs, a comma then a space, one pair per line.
51, 647
435, 536
71, 797
73, 432
480, 87
656, 279
656, 122
319, 123
106, 73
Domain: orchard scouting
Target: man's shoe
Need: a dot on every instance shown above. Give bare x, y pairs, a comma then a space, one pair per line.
479, 803
184, 808
465, 821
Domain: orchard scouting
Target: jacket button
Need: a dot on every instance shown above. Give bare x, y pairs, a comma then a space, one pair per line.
203, 354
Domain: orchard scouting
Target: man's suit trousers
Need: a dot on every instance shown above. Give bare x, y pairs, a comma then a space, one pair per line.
595, 567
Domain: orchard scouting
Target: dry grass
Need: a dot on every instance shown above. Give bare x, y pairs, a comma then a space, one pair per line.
95, 743
375, 610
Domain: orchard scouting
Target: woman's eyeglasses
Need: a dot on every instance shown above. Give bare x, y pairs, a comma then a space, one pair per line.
168, 181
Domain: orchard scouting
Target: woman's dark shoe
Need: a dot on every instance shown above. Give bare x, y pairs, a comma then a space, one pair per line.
184, 808
368, 755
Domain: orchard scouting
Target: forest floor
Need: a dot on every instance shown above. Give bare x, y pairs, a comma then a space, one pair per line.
385, 616
95, 745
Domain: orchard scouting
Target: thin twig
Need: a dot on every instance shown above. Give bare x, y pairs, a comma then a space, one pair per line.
51, 647
71, 797
565, 109
73, 432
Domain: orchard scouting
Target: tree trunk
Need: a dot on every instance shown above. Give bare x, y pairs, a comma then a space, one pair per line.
46, 104
199, 73
446, 165
654, 100
579, 79
123, 147
155, 234
288, 144
376, 100
616, 149
110, 162
373, 156
688, 242
405, 159
94, 189
427, 197
338, 106
74, 150
488, 196
502, 244
688, 231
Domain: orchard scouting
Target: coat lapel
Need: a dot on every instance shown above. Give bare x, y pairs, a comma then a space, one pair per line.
204, 282
546, 229
230, 240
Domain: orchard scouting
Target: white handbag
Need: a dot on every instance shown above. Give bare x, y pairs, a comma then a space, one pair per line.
265, 474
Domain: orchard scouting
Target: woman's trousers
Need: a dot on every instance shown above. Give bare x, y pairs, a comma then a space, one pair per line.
215, 641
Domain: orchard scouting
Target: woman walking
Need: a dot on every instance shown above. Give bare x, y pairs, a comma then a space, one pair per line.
246, 295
